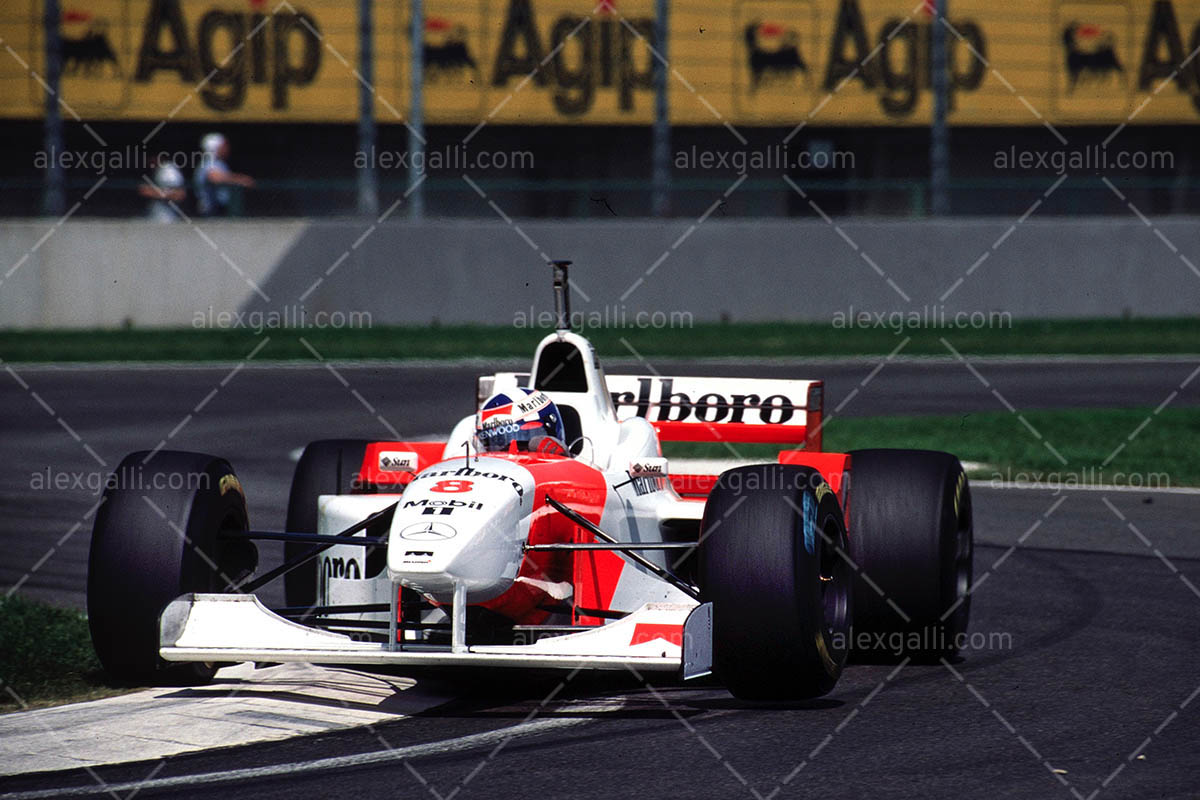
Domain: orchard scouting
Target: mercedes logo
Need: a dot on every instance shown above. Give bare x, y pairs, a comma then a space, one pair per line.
428, 532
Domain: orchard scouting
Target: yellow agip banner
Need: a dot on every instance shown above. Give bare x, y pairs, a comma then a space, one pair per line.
535, 62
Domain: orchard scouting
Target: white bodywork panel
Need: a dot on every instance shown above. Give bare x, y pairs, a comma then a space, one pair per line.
230, 627
342, 569
479, 540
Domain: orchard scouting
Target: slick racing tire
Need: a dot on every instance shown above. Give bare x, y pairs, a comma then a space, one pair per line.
158, 535
781, 593
326, 467
912, 535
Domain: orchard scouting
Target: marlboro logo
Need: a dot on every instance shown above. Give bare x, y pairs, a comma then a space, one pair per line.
707, 400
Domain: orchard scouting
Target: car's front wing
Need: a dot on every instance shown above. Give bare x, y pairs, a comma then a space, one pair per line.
659, 637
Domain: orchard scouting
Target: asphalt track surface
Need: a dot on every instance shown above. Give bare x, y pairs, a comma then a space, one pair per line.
1085, 681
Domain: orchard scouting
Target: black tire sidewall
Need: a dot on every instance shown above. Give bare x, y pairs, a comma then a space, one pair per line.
770, 637
156, 537
911, 533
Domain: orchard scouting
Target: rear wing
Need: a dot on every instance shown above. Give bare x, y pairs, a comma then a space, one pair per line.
759, 410
691, 409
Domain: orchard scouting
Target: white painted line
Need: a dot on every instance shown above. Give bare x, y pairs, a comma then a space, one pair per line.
458, 744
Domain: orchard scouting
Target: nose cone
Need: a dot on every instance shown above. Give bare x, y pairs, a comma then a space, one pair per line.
462, 522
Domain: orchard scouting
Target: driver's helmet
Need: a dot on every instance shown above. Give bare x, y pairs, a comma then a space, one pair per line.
520, 416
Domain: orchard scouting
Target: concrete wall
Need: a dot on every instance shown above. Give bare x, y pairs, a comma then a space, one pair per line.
102, 274
106, 274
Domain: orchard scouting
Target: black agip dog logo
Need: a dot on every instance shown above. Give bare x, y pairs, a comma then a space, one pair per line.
87, 51
447, 55
772, 53
1090, 54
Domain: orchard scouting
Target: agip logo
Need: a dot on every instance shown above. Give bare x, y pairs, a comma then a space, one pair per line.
447, 56
586, 61
453, 58
1115, 53
1094, 58
773, 54
857, 57
155, 58
87, 49
95, 56
225, 51
1090, 55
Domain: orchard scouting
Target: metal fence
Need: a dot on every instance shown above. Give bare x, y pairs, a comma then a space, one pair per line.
630, 198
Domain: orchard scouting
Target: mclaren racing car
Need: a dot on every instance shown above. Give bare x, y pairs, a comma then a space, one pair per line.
548, 531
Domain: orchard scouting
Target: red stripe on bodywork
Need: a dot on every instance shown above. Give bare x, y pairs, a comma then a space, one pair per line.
649, 631
693, 485
583, 488
730, 432
834, 467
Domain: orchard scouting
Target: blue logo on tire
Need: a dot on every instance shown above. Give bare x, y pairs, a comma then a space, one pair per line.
810, 523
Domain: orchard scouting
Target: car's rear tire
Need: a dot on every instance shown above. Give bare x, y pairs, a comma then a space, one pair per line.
158, 535
912, 535
781, 593
328, 466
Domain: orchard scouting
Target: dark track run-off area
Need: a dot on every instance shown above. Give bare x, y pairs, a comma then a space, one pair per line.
1086, 682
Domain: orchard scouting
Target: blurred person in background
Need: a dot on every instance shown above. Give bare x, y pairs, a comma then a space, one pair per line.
168, 190
214, 181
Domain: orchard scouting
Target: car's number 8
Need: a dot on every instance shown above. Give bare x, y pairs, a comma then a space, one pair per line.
452, 486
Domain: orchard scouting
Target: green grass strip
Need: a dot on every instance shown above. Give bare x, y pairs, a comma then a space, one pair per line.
1162, 453
1086, 337
46, 656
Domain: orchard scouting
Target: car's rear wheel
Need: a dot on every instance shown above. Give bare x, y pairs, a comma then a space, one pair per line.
159, 535
328, 466
781, 591
912, 536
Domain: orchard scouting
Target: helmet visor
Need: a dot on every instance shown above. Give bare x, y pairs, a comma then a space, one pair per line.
499, 436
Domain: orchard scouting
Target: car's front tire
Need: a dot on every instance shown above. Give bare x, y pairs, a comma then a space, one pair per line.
781, 590
158, 535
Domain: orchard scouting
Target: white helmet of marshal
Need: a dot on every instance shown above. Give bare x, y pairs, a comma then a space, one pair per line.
519, 419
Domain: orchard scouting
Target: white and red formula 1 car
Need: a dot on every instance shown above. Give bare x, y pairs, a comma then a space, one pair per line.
595, 554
